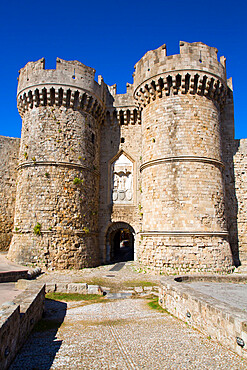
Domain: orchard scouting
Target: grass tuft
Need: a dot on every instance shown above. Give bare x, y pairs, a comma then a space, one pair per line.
67, 297
154, 304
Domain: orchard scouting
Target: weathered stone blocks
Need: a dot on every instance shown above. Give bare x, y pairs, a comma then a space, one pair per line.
182, 169
174, 128
9, 153
56, 216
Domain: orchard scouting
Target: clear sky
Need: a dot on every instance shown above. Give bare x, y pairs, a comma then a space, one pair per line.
111, 36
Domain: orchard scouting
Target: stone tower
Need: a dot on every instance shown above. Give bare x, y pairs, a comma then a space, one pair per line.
181, 97
56, 214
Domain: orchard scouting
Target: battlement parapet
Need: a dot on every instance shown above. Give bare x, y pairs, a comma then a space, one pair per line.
193, 58
71, 84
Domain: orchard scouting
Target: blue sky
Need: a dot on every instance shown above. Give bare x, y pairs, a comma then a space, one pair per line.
111, 36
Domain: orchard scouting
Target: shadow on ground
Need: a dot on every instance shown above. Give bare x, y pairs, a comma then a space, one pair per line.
40, 349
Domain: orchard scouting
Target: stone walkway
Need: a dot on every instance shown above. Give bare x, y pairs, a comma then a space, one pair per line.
107, 275
235, 295
120, 334
7, 265
8, 291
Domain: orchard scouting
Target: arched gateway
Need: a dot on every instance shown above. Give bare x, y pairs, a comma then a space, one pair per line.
119, 242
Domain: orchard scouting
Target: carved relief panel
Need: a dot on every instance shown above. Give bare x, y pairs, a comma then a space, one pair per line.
122, 180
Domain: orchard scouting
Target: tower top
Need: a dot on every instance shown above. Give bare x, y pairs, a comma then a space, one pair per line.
195, 56
73, 74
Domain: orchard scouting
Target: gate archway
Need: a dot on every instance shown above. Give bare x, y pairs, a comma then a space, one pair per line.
120, 238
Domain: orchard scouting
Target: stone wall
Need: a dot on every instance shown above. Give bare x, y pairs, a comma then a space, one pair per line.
229, 146
57, 188
120, 135
18, 320
214, 318
240, 170
9, 154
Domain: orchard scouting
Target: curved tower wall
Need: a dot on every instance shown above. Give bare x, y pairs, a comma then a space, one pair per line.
184, 224
56, 215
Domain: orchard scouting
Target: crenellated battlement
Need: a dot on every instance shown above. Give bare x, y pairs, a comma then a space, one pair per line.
193, 58
71, 85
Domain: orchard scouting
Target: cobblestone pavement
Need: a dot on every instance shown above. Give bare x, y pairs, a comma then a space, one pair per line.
235, 295
120, 334
106, 275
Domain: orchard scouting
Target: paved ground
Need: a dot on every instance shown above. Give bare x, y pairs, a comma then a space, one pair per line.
116, 276
235, 295
7, 265
121, 334
8, 292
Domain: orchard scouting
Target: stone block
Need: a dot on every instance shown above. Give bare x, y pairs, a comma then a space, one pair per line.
94, 289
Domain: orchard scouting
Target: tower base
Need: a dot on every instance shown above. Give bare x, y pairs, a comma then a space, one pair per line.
185, 253
66, 250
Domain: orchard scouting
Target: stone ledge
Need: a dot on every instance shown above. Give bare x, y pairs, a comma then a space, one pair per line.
209, 315
184, 233
9, 276
212, 278
80, 288
185, 158
17, 320
57, 164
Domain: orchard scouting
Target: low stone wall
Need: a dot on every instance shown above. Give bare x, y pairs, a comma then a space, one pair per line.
80, 288
212, 278
15, 275
214, 318
17, 321
9, 276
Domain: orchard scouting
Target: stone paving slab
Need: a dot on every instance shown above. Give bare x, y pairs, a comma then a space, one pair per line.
235, 295
8, 292
122, 334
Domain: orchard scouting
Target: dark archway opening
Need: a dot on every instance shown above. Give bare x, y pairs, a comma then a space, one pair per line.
120, 243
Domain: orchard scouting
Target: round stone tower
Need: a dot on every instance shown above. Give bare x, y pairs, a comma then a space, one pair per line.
181, 96
56, 215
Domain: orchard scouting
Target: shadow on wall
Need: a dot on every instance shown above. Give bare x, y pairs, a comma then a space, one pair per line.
229, 147
42, 346
232, 214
